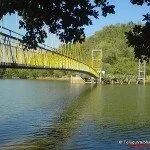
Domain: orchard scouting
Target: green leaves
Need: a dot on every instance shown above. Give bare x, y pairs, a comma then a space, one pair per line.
118, 58
107, 9
140, 2
146, 17
139, 39
64, 18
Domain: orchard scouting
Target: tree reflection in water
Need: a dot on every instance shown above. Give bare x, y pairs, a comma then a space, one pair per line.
53, 136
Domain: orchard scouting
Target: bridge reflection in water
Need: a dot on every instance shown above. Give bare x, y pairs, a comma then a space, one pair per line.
97, 118
57, 133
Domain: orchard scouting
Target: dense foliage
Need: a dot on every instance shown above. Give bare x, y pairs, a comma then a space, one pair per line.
139, 39
118, 57
65, 18
30, 74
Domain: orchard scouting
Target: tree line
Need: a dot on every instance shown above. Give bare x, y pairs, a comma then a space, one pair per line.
30, 74
118, 56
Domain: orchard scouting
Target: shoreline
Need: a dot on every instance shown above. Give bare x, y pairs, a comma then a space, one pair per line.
54, 78
40, 78
68, 79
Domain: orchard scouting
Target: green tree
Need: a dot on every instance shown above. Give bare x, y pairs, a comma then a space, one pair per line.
139, 39
2, 73
64, 18
125, 66
118, 57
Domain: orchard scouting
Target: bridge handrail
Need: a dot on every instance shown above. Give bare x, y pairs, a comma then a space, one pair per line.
43, 48
11, 31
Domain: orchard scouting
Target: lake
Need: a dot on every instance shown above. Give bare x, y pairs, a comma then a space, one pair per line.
40, 114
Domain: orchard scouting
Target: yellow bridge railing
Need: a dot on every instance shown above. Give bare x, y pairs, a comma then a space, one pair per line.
13, 55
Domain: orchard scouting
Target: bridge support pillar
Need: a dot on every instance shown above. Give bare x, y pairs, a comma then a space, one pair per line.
77, 80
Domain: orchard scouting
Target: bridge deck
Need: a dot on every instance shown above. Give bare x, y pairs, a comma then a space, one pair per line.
13, 55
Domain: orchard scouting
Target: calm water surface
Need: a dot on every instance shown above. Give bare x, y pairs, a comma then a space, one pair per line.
57, 115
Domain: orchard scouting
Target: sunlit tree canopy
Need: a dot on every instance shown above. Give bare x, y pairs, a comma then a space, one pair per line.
65, 18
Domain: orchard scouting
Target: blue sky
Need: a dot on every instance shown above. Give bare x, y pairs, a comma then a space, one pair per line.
125, 12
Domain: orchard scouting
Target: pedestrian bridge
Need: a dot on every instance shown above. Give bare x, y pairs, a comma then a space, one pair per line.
14, 55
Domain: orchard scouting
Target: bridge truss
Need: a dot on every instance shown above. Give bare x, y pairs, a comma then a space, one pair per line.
13, 55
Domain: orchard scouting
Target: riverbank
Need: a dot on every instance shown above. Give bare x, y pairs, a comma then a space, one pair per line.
42, 78
54, 78
31, 74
